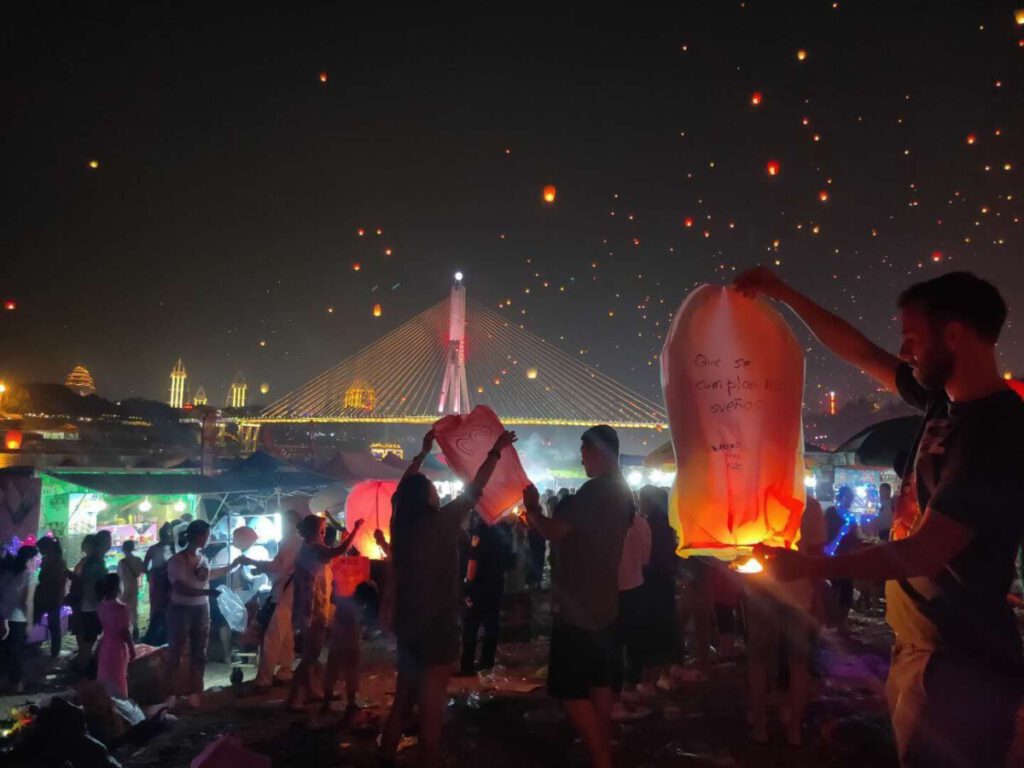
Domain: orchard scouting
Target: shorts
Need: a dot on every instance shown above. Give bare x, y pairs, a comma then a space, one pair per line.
87, 625
772, 622
438, 646
950, 709
581, 659
345, 627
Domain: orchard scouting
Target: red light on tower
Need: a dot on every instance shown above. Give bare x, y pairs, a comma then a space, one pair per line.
773, 168
755, 98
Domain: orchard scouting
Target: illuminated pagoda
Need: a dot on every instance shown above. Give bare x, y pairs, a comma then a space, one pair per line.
200, 397
80, 381
238, 389
178, 378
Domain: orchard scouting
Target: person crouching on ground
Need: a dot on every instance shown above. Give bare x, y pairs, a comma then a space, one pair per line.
587, 535
425, 562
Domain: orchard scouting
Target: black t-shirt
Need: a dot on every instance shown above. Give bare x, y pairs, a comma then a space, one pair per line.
490, 550
969, 466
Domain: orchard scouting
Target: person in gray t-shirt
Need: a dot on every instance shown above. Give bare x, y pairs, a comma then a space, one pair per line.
586, 534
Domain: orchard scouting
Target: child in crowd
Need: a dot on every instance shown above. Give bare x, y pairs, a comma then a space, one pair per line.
116, 648
130, 571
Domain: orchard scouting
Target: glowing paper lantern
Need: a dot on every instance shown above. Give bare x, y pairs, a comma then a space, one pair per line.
12, 441
971, 138
531, 373
244, 537
264, 388
94, 164
688, 222
323, 77
10, 306
1016, 386
732, 373
465, 441
755, 98
801, 55
550, 193
377, 310
937, 256
772, 168
370, 501
823, 195
356, 266
1018, 16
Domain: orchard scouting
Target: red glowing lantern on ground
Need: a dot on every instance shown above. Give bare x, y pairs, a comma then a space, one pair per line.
370, 501
773, 168
755, 98
12, 440
550, 193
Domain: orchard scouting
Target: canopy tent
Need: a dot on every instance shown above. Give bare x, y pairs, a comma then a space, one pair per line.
434, 466
351, 468
880, 444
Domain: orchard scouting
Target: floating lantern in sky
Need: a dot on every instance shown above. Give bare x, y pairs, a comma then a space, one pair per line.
1018, 16
377, 310
10, 305
801, 55
360, 231
94, 164
971, 138
823, 195
937, 256
387, 251
755, 98
323, 77
550, 193
264, 388
356, 266
531, 373
688, 222
773, 168
12, 440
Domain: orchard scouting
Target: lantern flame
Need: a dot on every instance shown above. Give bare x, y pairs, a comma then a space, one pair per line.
550, 192
753, 565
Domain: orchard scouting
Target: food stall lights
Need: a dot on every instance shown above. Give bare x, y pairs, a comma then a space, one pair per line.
145, 505
810, 481
635, 478
179, 506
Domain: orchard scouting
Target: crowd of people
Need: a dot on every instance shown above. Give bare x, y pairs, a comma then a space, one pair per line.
944, 546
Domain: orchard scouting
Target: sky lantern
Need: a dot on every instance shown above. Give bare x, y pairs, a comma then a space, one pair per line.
531, 373
823, 195
12, 440
94, 164
937, 256
360, 231
10, 305
755, 98
323, 77
773, 168
1018, 16
801, 55
356, 266
971, 138
264, 388
377, 310
550, 192
688, 222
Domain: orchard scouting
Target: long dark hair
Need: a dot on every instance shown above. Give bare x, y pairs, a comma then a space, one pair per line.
410, 502
195, 528
19, 563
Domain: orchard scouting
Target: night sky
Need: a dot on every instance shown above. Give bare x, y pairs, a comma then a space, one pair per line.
221, 224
